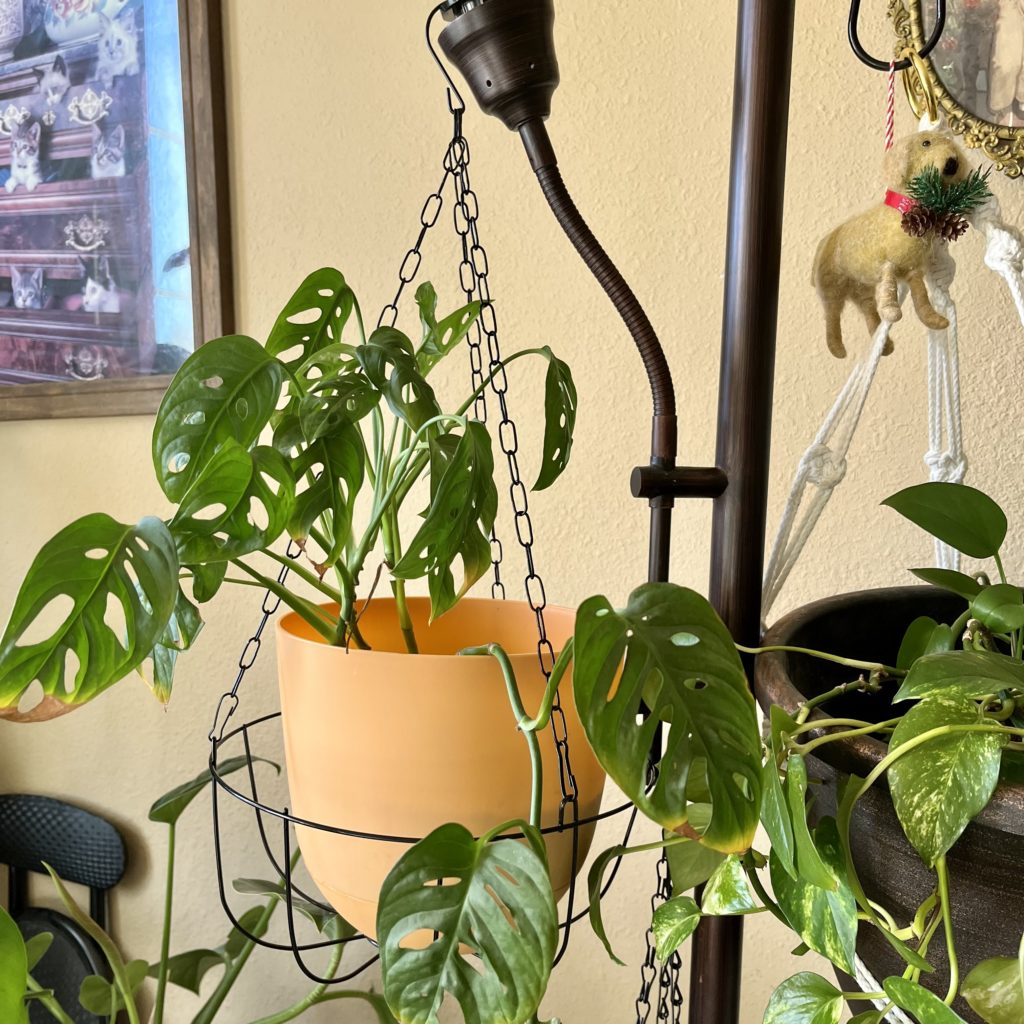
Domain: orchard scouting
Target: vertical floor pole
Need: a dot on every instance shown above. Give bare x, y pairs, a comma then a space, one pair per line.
764, 49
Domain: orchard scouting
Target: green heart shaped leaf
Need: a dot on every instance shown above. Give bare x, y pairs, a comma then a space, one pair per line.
560, 404
942, 784
923, 636
728, 891
226, 391
674, 922
698, 689
313, 319
995, 990
927, 1007
493, 921
825, 920
440, 337
999, 607
389, 362
458, 523
13, 971
805, 999
957, 515
964, 674
105, 998
690, 863
93, 571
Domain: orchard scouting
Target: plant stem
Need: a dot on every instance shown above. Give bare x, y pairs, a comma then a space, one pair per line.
527, 726
315, 581
311, 998
212, 1005
867, 666
310, 612
834, 737
999, 567
377, 1002
165, 940
392, 553
48, 1002
762, 894
947, 925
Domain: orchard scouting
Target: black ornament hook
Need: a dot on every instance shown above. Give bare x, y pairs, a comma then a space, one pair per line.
456, 104
903, 65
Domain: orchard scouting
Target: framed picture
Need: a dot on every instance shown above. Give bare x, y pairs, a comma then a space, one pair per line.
115, 259
976, 72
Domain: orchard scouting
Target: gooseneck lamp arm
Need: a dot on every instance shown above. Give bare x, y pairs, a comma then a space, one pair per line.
505, 51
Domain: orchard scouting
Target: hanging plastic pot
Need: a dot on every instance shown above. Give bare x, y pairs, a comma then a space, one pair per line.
390, 744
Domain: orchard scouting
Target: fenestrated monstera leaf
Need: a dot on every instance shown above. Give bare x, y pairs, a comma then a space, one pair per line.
389, 362
90, 565
440, 337
227, 390
463, 505
239, 503
680, 662
179, 635
560, 404
314, 318
329, 473
494, 919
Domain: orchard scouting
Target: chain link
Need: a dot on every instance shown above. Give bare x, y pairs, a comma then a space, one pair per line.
670, 995
250, 651
474, 274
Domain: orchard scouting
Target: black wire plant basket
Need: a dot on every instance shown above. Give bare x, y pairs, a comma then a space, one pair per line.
487, 369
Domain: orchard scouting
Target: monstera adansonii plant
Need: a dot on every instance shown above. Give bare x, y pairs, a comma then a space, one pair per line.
319, 436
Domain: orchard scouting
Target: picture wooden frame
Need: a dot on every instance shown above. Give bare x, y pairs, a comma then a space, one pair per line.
205, 131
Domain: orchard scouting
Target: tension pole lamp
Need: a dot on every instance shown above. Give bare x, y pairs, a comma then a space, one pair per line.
505, 51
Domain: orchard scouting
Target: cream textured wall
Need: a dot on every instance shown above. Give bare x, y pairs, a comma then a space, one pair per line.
337, 125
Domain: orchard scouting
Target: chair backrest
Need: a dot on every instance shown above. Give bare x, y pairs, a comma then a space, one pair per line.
79, 845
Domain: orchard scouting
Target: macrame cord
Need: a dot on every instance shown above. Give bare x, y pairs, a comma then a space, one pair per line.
823, 466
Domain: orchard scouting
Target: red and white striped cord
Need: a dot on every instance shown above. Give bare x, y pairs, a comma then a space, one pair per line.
890, 108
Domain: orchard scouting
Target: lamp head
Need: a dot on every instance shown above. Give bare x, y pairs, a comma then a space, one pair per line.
505, 50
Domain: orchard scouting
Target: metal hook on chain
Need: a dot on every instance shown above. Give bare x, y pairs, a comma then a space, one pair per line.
902, 65
456, 104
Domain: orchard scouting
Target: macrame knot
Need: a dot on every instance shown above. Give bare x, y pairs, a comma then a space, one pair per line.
946, 467
822, 468
941, 269
1004, 249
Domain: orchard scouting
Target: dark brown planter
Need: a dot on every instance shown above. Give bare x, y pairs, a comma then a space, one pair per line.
986, 866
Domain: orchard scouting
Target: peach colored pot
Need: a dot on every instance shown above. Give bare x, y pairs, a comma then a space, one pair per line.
386, 742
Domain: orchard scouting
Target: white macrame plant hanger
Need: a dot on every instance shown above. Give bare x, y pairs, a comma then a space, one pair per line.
823, 466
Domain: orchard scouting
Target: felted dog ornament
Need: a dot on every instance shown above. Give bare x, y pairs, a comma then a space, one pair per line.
929, 189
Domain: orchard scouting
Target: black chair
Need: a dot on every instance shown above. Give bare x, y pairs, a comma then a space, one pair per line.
82, 848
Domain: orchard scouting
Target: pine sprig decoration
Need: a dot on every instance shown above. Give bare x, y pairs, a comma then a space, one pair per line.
942, 200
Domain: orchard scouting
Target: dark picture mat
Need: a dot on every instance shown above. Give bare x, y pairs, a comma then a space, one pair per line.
204, 101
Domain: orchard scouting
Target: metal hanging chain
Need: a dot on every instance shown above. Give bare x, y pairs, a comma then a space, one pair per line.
473, 274
670, 995
474, 277
250, 652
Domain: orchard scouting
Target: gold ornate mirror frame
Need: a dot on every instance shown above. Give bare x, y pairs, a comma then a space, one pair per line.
1003, 144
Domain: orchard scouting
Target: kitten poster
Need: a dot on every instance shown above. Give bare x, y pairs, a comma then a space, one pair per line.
96, 281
